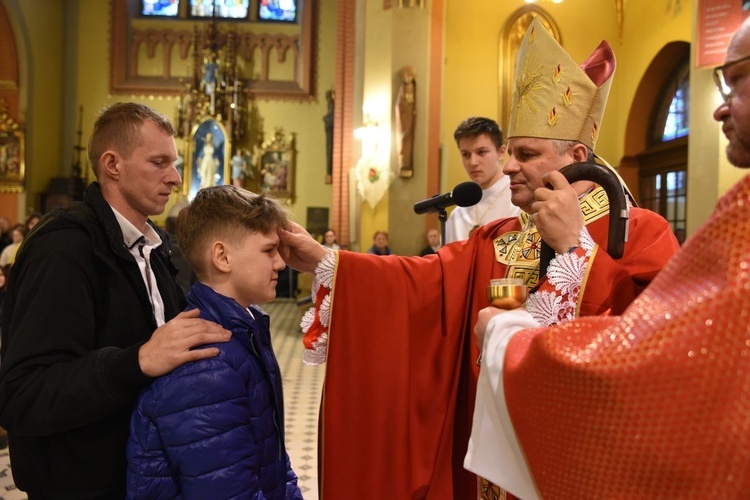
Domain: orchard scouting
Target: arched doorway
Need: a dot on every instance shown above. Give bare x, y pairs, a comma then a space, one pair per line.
656, 139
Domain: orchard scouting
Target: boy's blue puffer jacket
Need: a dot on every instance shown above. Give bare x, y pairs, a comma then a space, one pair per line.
214, 428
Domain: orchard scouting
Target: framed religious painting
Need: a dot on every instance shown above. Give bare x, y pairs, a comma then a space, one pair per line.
11, 154
276, 165
207, 160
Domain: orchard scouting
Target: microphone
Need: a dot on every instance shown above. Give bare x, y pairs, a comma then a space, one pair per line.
465, 194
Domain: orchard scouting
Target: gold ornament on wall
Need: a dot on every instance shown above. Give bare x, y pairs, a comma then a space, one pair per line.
215, 89
12, 153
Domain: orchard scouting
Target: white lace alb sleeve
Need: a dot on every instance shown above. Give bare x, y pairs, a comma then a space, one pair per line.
315, 321
566, 272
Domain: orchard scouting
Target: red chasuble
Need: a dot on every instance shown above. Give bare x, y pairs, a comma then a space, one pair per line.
401, 367
655, 403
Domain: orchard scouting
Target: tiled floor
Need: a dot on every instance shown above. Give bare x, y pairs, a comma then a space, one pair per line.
8, 490
302, 387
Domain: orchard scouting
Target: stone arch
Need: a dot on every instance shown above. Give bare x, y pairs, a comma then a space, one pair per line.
645, 99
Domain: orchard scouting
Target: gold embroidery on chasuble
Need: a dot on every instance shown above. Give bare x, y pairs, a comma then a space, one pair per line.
594, 205
520, 250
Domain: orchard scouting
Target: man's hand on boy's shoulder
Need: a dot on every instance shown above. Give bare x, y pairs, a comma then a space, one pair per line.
171, 345
300, 250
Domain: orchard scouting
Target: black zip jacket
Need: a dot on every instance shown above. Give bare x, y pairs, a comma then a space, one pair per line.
75, 315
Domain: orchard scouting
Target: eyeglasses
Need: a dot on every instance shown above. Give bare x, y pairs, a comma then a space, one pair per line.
726, 91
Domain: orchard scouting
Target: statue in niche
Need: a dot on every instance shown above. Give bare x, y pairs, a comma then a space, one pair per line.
210, 70
328, 124
240, 163
210, 81
207, 163
406, 114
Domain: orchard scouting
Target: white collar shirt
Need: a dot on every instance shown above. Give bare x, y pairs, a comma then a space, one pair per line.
140, 246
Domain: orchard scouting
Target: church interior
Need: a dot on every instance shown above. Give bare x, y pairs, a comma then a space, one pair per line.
304, 103
320, 93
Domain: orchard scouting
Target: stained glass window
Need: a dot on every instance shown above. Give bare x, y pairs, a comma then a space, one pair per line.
671, 116
165, 8
277, 10
225, 9
676, 124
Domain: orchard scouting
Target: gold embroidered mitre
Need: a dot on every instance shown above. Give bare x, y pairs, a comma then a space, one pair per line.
554, 97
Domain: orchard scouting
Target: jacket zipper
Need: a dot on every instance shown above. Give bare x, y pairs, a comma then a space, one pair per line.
273, 395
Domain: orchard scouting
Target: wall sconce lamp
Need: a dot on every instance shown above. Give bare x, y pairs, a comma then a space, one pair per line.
372, 170
369, 134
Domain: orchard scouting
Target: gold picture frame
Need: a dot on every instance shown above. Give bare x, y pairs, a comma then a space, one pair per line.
276, 166
12, 153
207, 158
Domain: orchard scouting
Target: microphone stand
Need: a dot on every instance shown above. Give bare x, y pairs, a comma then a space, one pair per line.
442, 216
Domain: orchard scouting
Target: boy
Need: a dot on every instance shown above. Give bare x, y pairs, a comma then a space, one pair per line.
480, 142
215, 429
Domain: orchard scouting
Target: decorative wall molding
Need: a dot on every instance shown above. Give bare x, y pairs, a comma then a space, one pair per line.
135, 44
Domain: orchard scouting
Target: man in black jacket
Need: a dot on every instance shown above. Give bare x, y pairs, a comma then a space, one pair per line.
92, 314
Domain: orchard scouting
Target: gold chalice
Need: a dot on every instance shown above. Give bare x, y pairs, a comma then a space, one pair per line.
507, 293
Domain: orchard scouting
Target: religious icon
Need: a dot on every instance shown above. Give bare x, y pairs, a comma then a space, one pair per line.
11, 153
241, 167
210, 69
276, 166
207, 163
406, 116
208, 157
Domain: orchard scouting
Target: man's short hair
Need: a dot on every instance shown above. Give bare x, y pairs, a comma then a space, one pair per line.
562, 146
474, 126
118, 127
226, 213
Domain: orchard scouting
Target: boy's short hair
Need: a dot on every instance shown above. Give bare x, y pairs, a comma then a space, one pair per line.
474, 126
228, 213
